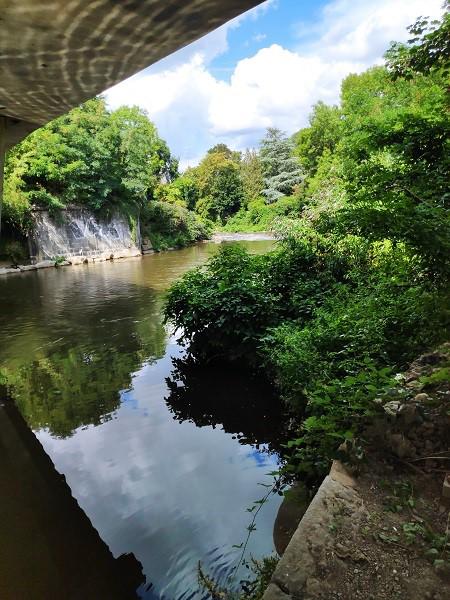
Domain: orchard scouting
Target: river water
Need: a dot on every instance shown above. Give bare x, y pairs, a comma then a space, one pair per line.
164, 457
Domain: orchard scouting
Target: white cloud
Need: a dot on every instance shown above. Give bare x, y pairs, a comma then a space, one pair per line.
350, 30
213, 44
276, 86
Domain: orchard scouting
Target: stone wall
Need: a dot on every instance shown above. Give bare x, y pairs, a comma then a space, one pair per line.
77, 233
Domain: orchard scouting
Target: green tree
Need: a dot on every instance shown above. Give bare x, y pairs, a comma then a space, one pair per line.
143, 159
220, 185
90, 157
183, 191
281, 168
233, 155
395, 159
251, 175
428, 50
323, 133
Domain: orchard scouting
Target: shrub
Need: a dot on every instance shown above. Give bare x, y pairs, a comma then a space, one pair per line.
260, 216
172, 226
327, 318
225, 308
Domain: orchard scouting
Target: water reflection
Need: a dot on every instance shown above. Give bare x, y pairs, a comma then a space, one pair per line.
171, 493
223, 394
49, 547
86, 358
81, 385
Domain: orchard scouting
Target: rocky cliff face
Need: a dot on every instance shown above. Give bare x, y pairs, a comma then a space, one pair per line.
78, 233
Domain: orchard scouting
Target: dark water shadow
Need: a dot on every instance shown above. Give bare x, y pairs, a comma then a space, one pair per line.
229, 396
50, 548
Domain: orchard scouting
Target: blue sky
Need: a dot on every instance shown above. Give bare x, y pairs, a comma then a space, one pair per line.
284, 22
266, 68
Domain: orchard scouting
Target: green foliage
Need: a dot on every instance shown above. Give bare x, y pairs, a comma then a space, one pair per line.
252, 588
226, 307
223, 149
281, 169
252, 176
359, 284
172, 225
183, 191
262, 571
59, 260
328, 317
441, 375
260, 216
334, 413
14, 251
102, 160
323, 134
395, 142
220, 185
325, 192
428, 50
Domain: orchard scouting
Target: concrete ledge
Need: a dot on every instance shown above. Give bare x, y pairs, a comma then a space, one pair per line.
8, 270
301, 573
74, 260
44, 264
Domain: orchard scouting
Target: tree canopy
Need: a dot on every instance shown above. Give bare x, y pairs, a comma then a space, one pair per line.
281, 169
218, 179
322, 134
91, 157
427, 50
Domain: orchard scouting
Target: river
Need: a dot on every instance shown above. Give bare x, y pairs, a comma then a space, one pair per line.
163, 457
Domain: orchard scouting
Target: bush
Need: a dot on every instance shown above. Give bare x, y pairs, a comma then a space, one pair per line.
172, 226
225, 308
260, 216
230, 305
335, 412
327, 319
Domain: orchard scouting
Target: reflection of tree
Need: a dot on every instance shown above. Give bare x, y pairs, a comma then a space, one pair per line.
62, 392
223, 394
80, 383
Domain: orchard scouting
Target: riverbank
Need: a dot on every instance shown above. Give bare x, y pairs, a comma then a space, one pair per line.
221, 236
380, 530
74, 260
125, 253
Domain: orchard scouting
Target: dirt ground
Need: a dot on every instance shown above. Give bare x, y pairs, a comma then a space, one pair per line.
399, 546
396, 550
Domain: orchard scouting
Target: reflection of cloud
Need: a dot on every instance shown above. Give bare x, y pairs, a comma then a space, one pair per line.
129, 401
169, 492
259, 458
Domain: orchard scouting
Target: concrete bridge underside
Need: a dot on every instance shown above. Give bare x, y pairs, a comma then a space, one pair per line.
55, 54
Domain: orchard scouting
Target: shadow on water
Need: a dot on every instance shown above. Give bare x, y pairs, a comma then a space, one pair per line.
49, 547
229, 396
